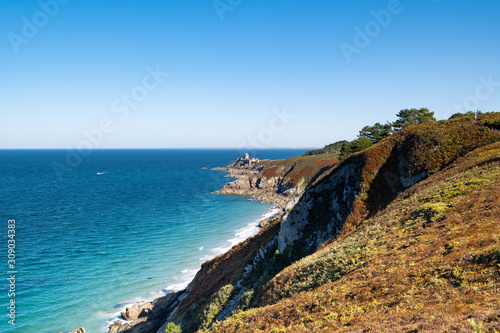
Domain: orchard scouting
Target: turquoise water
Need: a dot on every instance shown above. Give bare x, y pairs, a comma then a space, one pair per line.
123, 226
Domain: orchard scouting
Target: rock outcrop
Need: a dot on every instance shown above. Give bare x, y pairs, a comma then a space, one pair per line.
79, 330
146, 317
252, 182
137, 311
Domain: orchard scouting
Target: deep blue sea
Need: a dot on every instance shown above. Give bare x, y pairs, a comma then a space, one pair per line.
123, 226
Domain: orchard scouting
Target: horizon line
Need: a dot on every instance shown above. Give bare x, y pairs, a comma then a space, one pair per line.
168, 148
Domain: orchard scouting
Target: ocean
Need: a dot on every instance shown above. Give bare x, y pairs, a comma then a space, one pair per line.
115, 228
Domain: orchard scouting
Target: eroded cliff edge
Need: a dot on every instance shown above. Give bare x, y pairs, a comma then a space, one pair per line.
281, 182
333, 201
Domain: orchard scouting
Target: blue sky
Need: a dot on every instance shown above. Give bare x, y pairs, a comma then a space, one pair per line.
240, 73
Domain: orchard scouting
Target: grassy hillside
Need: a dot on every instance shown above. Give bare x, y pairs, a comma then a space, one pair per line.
367, 181
306, 169
429, 261
403, 237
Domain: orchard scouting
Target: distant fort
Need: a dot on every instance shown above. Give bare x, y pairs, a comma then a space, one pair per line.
247, 160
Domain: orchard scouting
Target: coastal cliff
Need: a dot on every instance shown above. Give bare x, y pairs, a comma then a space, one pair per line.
343, 218
389, 239
281, 182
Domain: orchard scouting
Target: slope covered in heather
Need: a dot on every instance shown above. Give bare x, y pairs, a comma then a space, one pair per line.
378, 241
427, 262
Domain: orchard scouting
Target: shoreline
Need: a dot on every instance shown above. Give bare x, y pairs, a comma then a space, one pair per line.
249, 183
179, 288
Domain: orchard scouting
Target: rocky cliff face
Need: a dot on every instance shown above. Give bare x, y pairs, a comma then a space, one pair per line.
320, 212
323, 202
366, 182
333, 200
252, 182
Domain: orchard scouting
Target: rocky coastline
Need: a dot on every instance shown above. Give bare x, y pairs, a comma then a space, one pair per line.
337, 210
152, 317
148, 316
251, 181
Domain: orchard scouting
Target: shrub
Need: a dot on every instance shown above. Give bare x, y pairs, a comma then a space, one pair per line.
331, 148
429, 213
478, 328
215, 305
354, 146
172, 328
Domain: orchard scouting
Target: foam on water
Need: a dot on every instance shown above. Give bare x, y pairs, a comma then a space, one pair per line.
188, 274
241, 234
91, 245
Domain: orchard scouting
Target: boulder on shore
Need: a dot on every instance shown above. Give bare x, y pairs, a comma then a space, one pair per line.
146, 317
137, 311
79, 330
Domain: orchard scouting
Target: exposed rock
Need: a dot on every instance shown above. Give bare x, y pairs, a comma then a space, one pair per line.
79, 330
271, 219
148, 316
322, 209
251, 183
134, 327
137, 311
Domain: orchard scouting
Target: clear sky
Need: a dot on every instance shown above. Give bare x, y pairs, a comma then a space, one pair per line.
265, 73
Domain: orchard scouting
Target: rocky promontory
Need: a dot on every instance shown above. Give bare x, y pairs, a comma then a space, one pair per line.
255, 180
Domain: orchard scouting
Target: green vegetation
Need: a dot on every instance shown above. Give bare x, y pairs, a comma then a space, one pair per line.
408, 117
377, 132
427, 213
370, 135
172, 328
328, 149
214, 306
469, 114
478, 328
354, 146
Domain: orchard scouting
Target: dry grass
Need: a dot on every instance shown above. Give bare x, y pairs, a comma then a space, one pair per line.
422, 149
421, 260
380, 172
307, 169
428, 262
